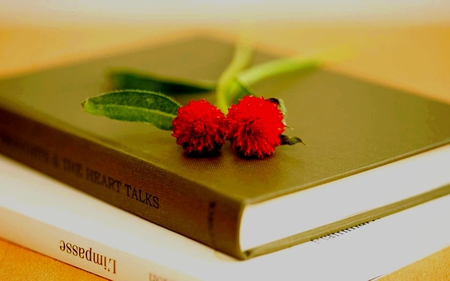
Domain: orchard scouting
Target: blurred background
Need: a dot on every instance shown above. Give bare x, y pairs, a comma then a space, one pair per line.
399, 43
141, 12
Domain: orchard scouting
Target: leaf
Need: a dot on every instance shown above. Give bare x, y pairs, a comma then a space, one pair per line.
280, 104
236, 91
290, 140
127, 79
134, 106
281, 107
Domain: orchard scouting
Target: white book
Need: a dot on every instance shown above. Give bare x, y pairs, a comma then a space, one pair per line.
49, 217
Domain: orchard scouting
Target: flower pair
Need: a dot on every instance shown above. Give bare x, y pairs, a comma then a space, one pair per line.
253, 126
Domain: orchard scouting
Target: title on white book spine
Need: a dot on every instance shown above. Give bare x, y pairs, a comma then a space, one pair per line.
109, 264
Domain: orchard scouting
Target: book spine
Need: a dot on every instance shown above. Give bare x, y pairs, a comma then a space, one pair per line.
124, 181
81, 252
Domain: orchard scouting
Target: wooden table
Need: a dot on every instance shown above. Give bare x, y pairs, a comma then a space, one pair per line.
415, 58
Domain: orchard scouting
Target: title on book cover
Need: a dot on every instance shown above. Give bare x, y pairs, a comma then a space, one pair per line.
74, 168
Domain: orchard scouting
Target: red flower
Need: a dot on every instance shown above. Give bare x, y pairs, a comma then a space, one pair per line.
199, 128
255, 126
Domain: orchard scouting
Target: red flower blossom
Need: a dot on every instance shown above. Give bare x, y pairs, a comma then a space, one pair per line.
255, 126
199, 128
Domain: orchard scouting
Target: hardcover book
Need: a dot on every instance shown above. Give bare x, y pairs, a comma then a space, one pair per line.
371, 151
99, 238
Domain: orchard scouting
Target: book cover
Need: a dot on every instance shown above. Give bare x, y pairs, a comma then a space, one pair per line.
102, 239
369, 149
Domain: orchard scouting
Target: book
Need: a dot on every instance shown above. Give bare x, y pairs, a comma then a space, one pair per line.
97, 237
371, 151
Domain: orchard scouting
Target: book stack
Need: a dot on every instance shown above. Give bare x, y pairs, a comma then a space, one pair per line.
375, 170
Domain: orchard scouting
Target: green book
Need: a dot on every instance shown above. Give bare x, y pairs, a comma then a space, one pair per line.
371, 151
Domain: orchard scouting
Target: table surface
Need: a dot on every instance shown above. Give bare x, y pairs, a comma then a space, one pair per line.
409, 57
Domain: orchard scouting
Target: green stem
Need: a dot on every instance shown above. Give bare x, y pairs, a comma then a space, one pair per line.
242, 57
275, 67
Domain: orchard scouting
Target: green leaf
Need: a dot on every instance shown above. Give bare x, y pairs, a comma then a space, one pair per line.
127, 79
290, 140
281, 107
280, 104
236, 90
134, 106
